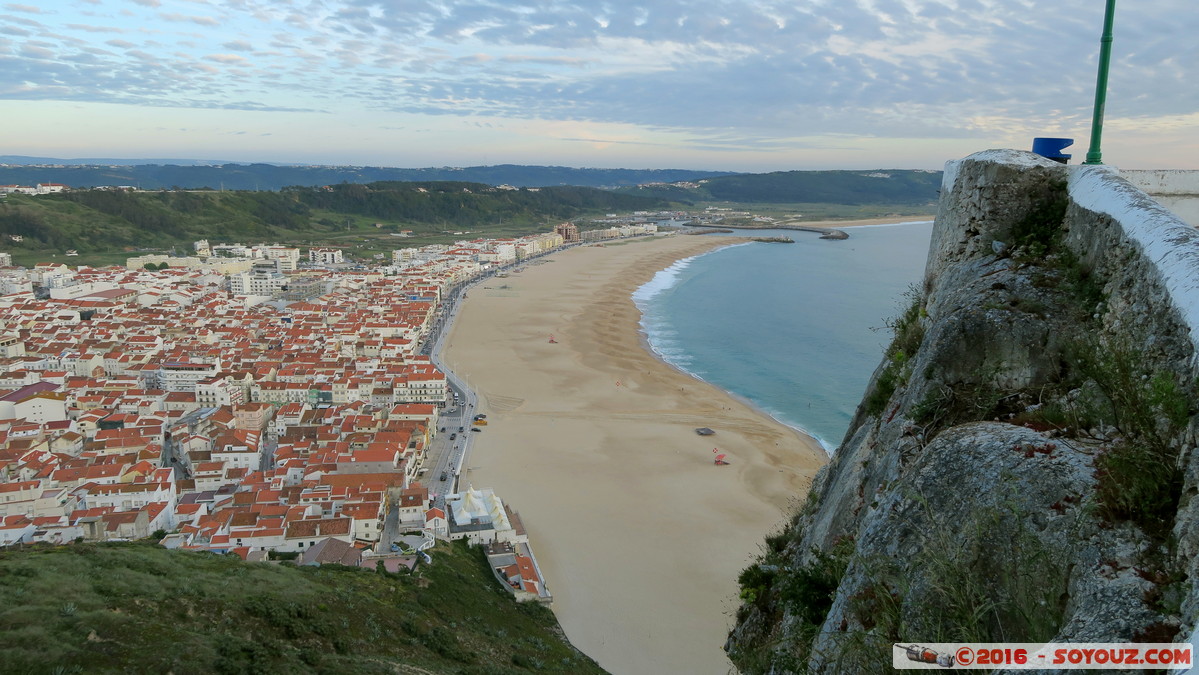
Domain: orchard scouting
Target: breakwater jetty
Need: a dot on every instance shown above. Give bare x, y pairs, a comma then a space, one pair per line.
824, 232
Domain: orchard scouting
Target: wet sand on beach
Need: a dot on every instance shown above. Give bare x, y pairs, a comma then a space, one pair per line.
592, 440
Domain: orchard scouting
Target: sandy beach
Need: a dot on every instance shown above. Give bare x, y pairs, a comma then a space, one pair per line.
591, 438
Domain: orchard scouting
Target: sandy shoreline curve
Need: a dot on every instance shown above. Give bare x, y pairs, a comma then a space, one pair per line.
591, 438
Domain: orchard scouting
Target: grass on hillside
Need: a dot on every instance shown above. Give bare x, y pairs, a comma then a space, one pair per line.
31, 257
135, 607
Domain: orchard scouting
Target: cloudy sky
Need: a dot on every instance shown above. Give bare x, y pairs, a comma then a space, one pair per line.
747, 85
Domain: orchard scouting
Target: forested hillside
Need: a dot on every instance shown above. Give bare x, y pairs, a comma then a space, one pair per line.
467, 204
98, 220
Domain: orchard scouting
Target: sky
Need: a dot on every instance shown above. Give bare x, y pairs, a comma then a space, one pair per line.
736, 85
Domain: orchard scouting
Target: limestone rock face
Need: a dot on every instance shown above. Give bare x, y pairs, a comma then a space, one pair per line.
987, 489
986, 508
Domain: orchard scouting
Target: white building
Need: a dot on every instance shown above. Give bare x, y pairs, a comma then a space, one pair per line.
239, 453
259, 281
325, 256
11, 345
480, 517
288, 258
183, 376
15, 285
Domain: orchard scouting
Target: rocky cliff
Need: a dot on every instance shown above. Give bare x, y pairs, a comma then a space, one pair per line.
1023, 463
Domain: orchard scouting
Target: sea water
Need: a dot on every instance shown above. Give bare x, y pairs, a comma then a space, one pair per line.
797, 329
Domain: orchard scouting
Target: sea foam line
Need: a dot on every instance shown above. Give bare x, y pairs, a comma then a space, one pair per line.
658, 335
668, 278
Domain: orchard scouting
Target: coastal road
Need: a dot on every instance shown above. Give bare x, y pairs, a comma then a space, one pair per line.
451, 454
448, 456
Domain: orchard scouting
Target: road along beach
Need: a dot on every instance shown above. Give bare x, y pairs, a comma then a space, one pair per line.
640, 534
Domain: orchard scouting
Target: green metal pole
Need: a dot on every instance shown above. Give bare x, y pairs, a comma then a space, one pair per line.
1094, 154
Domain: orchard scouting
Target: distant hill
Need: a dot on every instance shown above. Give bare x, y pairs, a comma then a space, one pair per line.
891, 186
882, 186
361, 216
194, 174
139, 608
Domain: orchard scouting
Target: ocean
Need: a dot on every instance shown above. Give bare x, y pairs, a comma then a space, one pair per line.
795, 329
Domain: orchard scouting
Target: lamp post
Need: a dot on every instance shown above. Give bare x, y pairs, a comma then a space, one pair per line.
1094, 154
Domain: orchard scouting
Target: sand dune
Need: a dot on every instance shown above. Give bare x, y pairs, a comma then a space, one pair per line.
592, 440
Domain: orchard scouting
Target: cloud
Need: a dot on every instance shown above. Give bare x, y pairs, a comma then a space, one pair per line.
30, 9
549, 60
148, 3
199, 20
94, 29
226, 58
238, 46
35, 52
21, 20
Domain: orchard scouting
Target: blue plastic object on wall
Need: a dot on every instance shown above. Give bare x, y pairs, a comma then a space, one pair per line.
1052, 148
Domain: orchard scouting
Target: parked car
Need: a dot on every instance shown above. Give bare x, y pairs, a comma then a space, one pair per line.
444, 475
453, 436
476, 429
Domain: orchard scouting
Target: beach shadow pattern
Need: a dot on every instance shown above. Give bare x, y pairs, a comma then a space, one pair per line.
500, 403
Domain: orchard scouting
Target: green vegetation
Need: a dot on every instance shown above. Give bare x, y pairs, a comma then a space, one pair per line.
908, 330
136, 607
464, 204
992, 589
948, 406
361, 217
772, 586
1040, 230
1139, 476
1111, 395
